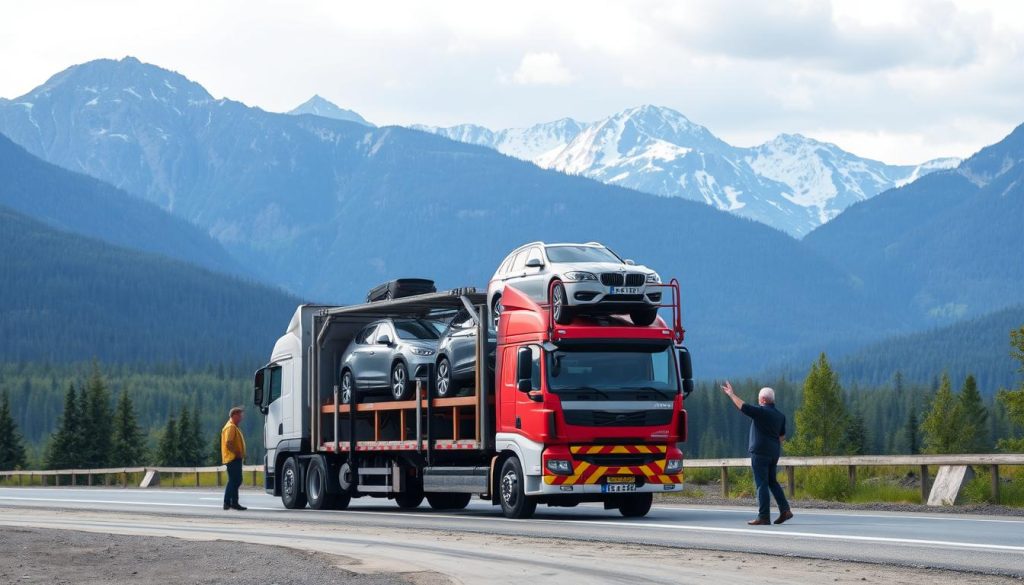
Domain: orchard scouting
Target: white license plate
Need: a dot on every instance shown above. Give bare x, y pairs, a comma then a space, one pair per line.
624, 290
615, 488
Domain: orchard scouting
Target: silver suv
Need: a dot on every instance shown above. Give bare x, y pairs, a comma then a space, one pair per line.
588, 278
383, 354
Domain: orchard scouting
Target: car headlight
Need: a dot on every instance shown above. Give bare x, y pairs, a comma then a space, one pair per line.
421, 351
578, 276
653, 277
560, 466
673, 465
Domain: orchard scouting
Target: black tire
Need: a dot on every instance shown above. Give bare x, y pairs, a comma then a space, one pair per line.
636, 505
412, 497
400, 385
444, 384
449, 501
496, 311
512, 491
559, 303
348, 387
643, 317
319, 491
291, 489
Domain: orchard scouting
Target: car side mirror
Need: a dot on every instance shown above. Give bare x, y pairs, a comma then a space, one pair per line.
384, 339
629, 262
524, 369
535, 263
259, 390
686, 370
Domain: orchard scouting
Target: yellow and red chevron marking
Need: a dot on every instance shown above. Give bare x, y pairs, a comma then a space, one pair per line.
586, 473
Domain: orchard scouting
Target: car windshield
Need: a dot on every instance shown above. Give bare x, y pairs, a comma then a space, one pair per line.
416, 329
625, 372
581, 254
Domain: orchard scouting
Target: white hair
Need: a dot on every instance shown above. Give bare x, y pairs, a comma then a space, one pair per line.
766, 394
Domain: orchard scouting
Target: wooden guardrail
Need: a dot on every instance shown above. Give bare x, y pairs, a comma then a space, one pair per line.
993, 461
120, 475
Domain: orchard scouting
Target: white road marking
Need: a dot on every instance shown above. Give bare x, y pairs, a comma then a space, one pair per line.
848, 514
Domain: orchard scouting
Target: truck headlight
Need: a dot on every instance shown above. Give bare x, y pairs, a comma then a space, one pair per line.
653, 277
578, 276
421, 351
673, 465
560, 466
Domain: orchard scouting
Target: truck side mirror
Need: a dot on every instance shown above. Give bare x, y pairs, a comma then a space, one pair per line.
259, 390
524, 369
686, 370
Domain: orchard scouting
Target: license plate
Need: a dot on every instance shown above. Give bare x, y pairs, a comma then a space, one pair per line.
624, 290
618, 484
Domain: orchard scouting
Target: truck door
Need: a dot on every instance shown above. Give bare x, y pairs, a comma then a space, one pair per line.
275, 417
529, 419
519, 412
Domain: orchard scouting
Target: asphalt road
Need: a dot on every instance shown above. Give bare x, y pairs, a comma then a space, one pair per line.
981, 544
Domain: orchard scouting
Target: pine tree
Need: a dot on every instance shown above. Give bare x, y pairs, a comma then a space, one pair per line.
856, 436
63, 450
12, 448
898, 383
821, 420
127, 445
170, 452
96, 428
1013, 400
189, 441
974, 437
942, 427
910, 434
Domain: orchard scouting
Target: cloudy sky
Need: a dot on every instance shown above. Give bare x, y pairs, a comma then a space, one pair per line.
897, 80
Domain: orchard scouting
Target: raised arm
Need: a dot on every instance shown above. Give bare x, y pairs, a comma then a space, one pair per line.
727, 388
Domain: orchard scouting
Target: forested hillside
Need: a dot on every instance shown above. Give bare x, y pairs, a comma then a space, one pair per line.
68, 298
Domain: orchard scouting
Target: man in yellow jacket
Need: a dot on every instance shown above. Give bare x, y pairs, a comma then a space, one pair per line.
232, 453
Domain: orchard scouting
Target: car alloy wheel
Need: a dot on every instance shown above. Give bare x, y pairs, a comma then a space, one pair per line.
559, 304
399, 381
496, 311
346, 387
444, 377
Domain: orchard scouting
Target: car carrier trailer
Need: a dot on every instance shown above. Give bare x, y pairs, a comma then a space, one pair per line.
542, 424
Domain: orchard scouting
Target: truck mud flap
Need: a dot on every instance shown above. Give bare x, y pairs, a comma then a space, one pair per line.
466, 480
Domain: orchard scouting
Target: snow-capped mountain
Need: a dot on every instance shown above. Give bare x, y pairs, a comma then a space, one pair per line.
319, 106
792, 182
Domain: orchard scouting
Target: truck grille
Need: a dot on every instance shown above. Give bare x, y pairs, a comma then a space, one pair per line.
619, 459
603, 418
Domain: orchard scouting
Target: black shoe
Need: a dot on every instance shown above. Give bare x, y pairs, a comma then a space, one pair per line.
239, 507
227, 507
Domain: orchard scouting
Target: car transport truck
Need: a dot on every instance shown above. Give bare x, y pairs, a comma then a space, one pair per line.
558, 414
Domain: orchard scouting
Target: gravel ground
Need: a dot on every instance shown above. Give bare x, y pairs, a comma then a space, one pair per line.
86, 558
706, 500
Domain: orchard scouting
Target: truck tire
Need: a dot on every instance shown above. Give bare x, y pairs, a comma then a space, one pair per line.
559, 302
636, 505
412, 497
643, 317
291, 489
449, 501
400, 381
512, 491
319, 490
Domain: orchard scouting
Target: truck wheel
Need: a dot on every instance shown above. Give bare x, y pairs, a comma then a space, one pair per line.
399, 381
412, 497
318, 489
291, 492
560, 304
636, 505
348, 386
443, 384
512, 489
643, 317
448, 501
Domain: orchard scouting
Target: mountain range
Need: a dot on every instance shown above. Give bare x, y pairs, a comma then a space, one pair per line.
318, 106
791, 182
328, 207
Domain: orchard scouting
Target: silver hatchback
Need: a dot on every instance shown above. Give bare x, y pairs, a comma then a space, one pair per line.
579, 278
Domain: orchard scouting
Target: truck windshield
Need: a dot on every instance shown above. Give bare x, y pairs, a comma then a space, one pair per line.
619, 373
416, 329
581, 254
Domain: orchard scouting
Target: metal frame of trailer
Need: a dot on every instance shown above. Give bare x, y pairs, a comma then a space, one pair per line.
424, 410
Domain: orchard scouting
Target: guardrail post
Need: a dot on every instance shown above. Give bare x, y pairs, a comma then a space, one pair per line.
218, 478
197, 478
124, 479
88, 479
254, 477
852, 472
19, 480
74, 479
924, 484
995, 484
725, 482
791, 480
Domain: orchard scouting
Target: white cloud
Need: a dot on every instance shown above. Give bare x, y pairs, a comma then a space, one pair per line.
542, 69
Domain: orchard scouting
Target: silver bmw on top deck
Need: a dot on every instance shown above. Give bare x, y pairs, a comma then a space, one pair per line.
588, 278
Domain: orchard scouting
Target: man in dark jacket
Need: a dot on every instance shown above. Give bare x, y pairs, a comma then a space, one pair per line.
767, 432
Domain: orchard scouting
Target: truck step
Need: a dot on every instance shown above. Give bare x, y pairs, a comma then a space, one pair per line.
469, 480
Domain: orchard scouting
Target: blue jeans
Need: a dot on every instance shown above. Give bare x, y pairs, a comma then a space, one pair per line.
765, 471
234, 481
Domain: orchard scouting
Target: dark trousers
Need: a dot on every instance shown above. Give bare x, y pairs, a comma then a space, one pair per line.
766, 470
234, 481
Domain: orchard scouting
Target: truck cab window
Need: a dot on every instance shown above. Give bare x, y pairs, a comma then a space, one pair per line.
275, 383
535, 378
